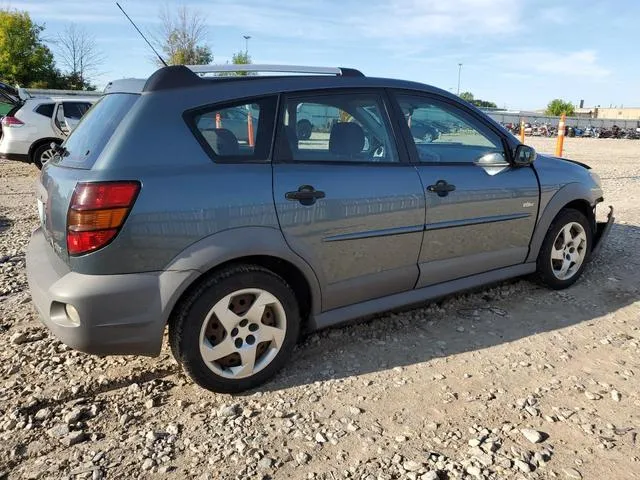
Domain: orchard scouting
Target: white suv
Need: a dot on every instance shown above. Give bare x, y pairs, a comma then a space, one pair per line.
35, 122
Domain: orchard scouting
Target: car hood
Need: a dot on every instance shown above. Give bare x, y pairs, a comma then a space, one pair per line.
549, 161
555, 173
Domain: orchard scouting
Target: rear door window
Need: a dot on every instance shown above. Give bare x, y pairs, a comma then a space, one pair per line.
75, 110
336, 127
236, 132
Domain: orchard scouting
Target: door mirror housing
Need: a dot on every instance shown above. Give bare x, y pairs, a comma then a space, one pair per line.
525, 155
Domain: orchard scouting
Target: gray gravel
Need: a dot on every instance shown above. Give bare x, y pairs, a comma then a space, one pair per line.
510, 382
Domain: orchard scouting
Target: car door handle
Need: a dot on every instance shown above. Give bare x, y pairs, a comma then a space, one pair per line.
306, 195
442, 188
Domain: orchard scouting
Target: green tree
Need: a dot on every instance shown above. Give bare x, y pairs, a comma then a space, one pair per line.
24, 58
468, 97
558, 106
182, 37
239, 58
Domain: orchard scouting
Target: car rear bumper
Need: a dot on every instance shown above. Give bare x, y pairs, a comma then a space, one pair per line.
119, 314
601, 233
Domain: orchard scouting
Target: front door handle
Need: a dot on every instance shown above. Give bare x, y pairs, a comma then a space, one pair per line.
442, 188
306, 195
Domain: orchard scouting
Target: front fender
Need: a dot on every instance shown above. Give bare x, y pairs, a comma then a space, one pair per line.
564, 196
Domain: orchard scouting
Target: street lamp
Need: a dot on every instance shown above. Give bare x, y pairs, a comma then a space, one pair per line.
459, 72
246, 44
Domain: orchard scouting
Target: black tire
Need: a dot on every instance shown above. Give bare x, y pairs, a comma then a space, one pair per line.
186, 324
544, 269
303, 130
37, 154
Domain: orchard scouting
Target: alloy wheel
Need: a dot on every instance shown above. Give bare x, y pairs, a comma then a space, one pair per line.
243, 333
568, 251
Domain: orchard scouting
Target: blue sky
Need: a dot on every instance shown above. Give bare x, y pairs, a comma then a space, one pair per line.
518, 53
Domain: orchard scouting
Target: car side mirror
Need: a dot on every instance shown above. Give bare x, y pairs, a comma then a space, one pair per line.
525, 155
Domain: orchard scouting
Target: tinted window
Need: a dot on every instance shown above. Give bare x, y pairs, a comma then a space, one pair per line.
46, 109
75, 110
444, 133
240, 131
87, 140
5, 108
336, 127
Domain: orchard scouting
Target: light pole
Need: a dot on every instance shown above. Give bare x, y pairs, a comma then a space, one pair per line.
459, 72
246, 44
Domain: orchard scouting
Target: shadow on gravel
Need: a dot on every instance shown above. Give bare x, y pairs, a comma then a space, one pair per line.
142, 377
609, 283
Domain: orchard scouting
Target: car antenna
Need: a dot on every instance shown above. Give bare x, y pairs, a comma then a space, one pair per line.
142, 35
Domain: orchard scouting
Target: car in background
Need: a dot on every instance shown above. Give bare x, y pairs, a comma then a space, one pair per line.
8, 98
34, 120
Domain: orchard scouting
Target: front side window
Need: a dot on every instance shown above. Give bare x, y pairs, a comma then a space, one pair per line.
240, 131
336, 128
443, 133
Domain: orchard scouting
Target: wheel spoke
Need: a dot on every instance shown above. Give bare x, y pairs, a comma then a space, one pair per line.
272, 334
566, 233
254, 314
226, 317
211, 353
563, 270
247, 361
557, 254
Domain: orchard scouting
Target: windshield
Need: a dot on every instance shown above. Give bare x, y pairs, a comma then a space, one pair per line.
89, 138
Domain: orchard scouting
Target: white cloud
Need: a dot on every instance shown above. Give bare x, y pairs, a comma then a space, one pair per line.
436, 18
582, 63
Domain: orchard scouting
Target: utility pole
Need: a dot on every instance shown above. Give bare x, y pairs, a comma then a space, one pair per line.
246, 44
459, 72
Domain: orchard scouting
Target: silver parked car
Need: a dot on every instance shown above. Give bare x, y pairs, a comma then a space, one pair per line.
154, 216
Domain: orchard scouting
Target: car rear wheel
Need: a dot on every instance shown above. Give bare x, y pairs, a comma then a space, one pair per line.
236, 329
565, 250
42, 155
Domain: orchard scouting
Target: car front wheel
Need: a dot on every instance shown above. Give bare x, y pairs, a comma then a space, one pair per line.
565, 250
236, 329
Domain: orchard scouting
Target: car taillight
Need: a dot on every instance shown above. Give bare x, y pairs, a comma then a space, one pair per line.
12, 122
96, 214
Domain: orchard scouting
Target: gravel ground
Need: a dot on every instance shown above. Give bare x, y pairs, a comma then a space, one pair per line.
514, 381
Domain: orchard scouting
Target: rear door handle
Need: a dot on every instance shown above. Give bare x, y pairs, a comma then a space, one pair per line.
442, 188
306, 195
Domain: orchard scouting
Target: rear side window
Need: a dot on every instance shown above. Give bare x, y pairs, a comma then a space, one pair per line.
46, 109
75, 110
236, 132
88, 139
336, 127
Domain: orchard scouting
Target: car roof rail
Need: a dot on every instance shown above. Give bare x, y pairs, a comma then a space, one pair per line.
182, 76
257, 68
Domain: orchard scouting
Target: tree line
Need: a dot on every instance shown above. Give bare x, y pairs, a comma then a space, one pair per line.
27, 58
27, 61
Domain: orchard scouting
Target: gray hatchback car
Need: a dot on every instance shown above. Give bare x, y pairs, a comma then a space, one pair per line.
153, 214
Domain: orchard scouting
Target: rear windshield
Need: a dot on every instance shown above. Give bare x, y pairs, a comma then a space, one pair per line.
90, 136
